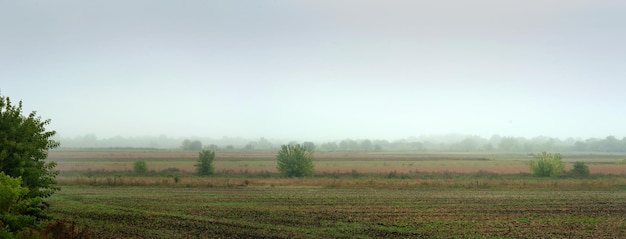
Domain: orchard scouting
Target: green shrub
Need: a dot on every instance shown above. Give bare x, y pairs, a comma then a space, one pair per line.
547, 165
580, 170
140, 167
295, 161
16, 210
204, 167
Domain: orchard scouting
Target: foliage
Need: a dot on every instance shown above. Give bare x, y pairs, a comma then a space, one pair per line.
580, 169
189, 145
24, 145
140, 167
53, 230
11, 190
547, 165
309, 145
17, 211
295, 161
204, 167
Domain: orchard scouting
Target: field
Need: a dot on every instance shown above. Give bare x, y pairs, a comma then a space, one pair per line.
108, 160
352, 195
312, 212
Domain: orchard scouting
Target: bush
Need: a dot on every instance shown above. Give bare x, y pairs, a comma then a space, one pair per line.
17, 211
140, 167
24, 145
547, 165
295, 161
204, 167
580, 170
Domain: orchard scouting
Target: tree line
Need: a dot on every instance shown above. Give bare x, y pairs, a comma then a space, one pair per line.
468, 144
450, 143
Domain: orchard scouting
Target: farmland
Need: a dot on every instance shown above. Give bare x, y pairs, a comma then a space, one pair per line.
312, 212
352, 195
110, 160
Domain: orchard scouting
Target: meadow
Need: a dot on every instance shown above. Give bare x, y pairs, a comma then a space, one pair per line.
352, 195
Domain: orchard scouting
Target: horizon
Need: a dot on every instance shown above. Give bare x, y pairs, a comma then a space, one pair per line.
433, 138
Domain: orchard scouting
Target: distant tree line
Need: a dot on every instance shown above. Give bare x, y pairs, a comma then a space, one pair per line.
458, 144
450, 143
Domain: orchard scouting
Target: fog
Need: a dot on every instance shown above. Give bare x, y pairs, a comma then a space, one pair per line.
318, 70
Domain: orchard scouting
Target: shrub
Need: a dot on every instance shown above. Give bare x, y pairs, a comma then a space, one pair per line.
547, 165
204, 167
295, 161
16, 210
140, 167
580, 170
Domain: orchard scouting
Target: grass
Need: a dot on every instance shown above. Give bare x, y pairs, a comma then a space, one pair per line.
158, 160
320, 212
351, 195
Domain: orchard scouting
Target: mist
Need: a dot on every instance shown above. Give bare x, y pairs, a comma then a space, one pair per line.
320, 71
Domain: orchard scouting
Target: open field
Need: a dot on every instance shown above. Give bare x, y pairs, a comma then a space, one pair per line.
351, 195
108, 160
314, 212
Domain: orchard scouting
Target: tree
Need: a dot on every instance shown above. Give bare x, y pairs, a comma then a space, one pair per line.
366, 145
204, 167
14, 206
348, 145
295, 161
309, 145
140, 167
24, 145
547, 165
580, 170
509, 144
329, 146
189, 145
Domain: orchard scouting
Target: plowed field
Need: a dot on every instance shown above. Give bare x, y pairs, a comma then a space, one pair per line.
312, 212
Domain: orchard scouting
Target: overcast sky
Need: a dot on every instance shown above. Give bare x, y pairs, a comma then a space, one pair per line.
318, 69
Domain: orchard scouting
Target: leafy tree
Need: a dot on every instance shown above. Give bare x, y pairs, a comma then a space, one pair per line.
509, 144
212, 147
366, 145
11, 190
189, 145
547, 165
580, 169
348, 145
295, 161
24, 145
263, 143
309, 145
204, 167
15, 210
140, 167
329, 146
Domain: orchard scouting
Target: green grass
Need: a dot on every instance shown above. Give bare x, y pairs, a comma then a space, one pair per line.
398, 195
318, 212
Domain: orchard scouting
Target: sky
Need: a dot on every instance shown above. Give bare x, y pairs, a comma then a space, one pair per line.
318, 69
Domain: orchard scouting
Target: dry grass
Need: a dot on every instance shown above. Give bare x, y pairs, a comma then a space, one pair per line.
324, 162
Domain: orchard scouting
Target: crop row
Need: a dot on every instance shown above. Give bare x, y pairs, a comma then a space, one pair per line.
311, 212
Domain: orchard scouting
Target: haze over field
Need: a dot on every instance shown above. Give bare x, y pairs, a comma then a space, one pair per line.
317, 70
